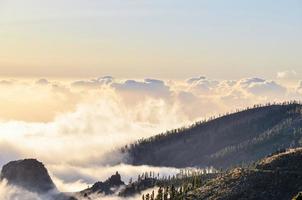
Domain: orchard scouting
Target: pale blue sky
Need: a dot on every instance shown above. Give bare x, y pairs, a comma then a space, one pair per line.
150, 38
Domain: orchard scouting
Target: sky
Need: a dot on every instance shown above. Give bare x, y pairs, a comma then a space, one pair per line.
141, 38
87, 77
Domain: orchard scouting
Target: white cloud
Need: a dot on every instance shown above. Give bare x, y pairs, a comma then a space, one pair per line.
5, 82
9, 192
75, 178
42, 81
87, 124
8, 152
152, 87
89, 134
299, 88
262, 87
105, 80
202, 85
289, 74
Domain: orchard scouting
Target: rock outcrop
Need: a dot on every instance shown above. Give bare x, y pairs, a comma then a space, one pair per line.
108, 187
32, 175
29, 174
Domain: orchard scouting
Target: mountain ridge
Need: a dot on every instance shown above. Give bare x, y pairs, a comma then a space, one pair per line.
234, 139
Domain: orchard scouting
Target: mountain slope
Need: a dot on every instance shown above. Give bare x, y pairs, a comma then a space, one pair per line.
242, 137
275, 177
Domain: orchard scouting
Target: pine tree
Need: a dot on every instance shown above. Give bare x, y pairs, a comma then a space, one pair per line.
166, 193
152, 195
172, 192
180, 192
159, 195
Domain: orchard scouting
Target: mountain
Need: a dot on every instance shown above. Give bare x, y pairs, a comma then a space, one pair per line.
29, 174
32, 175
276, 177
144, 183
223, 142
107, 187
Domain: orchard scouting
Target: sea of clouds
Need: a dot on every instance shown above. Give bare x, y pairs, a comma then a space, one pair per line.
75, 127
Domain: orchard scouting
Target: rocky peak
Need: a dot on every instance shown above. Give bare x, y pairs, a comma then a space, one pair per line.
115, 180
107, 187
29, 174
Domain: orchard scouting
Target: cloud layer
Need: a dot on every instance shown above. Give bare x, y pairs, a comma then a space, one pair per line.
83, 122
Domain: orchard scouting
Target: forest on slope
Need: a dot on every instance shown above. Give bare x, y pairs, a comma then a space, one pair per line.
277, 176
234, 139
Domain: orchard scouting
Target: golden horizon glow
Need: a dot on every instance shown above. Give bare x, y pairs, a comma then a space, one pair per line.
143, 39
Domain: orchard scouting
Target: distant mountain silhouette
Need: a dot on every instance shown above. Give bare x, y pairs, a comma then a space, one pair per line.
226, 141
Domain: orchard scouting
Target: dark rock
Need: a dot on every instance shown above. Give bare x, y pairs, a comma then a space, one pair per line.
29, 174
115, 180
107, 187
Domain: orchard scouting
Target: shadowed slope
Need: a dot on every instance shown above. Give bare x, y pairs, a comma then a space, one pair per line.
242, 137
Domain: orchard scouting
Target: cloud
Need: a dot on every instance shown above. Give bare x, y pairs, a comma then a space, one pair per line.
5, 82
196, 79
105, 80
299, 88
10, 192
76, 178
42, 81
8, 152
261, 87
289, 74
90, 134
152, 87
202, 84
90, 124
29, 101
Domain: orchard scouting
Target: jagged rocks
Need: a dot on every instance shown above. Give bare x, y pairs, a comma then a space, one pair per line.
107, 187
